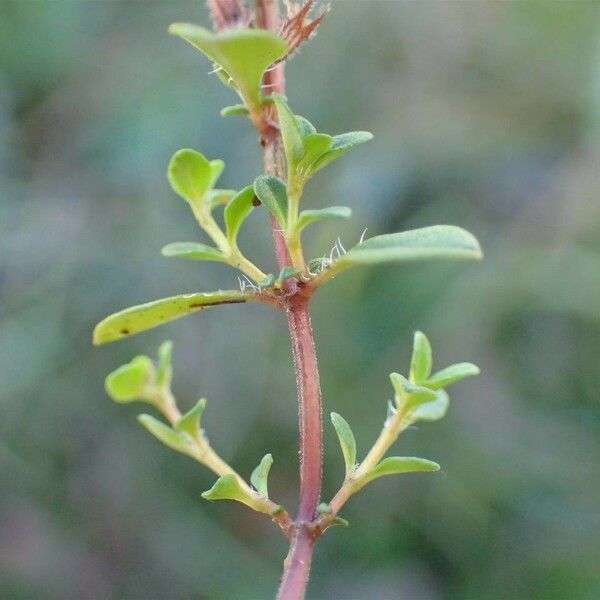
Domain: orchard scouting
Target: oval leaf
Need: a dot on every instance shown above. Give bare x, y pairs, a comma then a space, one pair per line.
315, 145
272, 193
260, 476
312, 216
432, 411
451, 375
342, 144
290, 132
397, 465
169, 437
229, 487
408, 393
244, 54
192, 251
347, 442
130, 382
190, 174
152, 314
439, 241
237, 210
422, 359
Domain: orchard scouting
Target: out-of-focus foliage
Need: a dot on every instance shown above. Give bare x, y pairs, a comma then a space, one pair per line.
486, 116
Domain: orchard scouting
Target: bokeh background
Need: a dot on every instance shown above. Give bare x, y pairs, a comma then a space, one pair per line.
486, 115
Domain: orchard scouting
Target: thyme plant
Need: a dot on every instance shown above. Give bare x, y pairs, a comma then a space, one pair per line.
248, 50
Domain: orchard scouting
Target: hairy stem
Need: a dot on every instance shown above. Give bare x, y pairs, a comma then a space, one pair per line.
298, 561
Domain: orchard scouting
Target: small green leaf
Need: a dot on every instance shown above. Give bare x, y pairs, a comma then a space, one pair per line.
290, 132
305, 126
236, 212
347, 442
260, 476
410, 392
315, 145
191, 422
191, 175
237, 110
130, 382
272, 193
152, 314
432, 411
342, 144
165, 367
244, 54
175, 440
228, 487
312, 216
452, 374
192, 251
422, 360
396, 465
439, 241
325, 509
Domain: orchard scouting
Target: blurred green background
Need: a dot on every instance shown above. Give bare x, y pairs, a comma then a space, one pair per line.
486, 115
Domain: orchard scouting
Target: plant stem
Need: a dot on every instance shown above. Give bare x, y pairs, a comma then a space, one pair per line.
298, 562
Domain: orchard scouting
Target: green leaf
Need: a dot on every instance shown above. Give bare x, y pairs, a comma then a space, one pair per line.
152, 314
432, 411
130, 382
422, 360
228, 487
272, 193
347, 442
439, 241
452, 374
315, 145
237, 110
191, 174
305, 126
342, 144
236, 212
193, 251
244, 54
290, 132
216, 167
410, 392
165, 367
312, 216
260, 476
396, 465
175, 440
191, 422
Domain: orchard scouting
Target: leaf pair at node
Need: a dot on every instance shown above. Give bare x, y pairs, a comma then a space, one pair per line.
306, 150
142, 380
273, 194
389, 466
229, 487
422, 396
